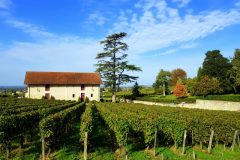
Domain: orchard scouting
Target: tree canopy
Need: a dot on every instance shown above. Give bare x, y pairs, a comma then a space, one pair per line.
162, 82
235, 71
206, 86
177, 74
215, 65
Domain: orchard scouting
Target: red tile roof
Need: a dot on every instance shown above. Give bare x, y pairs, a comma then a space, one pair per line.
62, 78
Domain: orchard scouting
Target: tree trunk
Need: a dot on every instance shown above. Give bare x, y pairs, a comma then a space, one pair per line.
114, 97
164, 90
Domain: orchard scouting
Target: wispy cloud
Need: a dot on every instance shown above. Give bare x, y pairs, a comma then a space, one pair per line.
97, 18
5, 4
177, 49
31, 29
161, 26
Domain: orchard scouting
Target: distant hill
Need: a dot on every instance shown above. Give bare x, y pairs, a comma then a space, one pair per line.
12, 87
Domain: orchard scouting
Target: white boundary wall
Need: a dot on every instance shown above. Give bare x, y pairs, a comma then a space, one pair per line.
200, 104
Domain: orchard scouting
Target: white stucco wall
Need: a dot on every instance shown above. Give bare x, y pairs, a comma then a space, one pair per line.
64, 92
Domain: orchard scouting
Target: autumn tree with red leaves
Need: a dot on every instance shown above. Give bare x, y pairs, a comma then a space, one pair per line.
180, 90
176, 75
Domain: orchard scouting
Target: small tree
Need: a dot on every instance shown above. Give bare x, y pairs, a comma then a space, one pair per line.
180, 90
162, 82
190, 83
135, 90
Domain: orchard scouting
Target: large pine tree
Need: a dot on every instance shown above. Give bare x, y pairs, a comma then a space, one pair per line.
112, 63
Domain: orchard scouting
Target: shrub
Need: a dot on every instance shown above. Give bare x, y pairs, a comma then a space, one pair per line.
206, 86
87, 100
180, 90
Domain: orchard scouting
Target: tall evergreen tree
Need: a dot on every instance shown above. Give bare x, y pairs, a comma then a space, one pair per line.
112, 63
215, 65
135, 90
235, 71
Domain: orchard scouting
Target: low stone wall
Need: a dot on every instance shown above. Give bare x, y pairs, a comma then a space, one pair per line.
218, 105
200, 104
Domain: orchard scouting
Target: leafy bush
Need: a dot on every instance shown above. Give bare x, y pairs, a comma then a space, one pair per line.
233, 98
166, 100
206, 86
180, 90
87, 100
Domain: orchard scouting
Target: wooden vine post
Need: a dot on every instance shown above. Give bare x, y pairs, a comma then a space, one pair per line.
43, 147
194, 155
85, 146
184, 141
238, 140
234, 140
155, 142
210, 142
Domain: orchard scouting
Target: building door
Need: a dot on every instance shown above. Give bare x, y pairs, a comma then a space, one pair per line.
82, 97
47, 96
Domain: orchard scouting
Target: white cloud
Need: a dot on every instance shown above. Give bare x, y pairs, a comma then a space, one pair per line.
31, 29
161, 26
5, 4
97, 18
60, 54
182, 3
62, 47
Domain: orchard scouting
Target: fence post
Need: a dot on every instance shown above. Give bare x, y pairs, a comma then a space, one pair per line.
234, 140
210, 142
194, 155
155, 141
85, 146
43, 147
184, 141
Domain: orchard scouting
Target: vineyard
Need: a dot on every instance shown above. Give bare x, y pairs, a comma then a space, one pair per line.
123, 130
21, 120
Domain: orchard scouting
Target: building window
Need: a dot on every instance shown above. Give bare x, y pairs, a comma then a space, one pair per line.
73, 95
47, 87
82, 87
91, 95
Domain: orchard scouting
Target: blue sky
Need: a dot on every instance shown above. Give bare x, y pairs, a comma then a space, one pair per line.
64, 35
